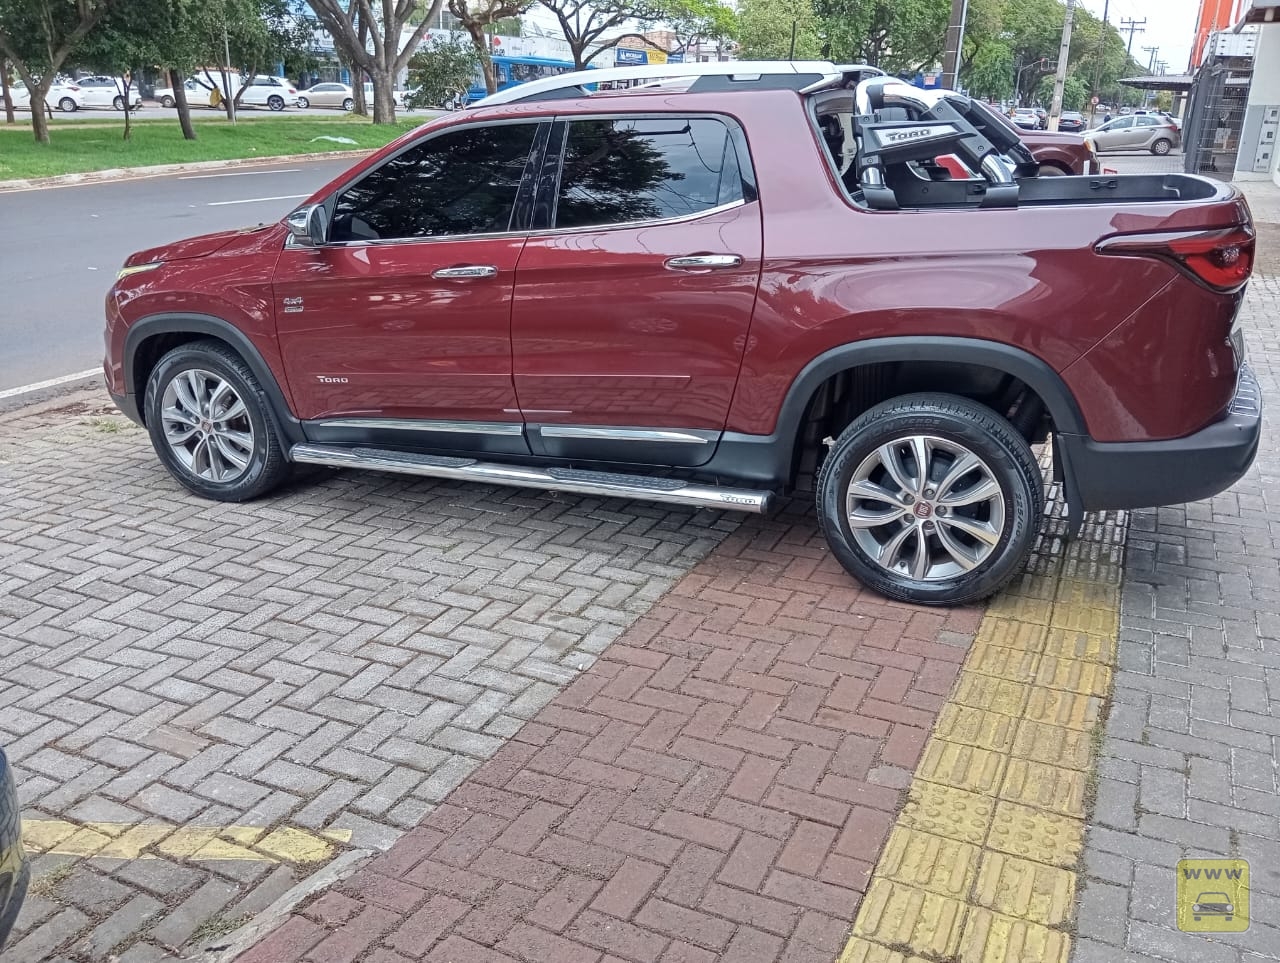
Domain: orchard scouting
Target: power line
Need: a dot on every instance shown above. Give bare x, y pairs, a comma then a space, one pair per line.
1133, 26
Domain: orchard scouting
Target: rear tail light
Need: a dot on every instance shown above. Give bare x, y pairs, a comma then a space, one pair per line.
1222, 259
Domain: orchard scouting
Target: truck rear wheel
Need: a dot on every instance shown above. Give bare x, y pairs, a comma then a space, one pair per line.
931, 499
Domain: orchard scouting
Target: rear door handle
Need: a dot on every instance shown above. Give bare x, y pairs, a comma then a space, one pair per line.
703, 262
464, 272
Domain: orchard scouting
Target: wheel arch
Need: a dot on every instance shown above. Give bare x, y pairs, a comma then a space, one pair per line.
150, 338
774, 458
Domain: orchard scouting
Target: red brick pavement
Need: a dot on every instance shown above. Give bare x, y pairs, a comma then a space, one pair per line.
717, 786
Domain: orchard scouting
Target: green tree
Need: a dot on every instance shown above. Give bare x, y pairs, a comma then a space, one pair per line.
476, 16
591, 27
37, 37
441, 71
369, 35
765, 29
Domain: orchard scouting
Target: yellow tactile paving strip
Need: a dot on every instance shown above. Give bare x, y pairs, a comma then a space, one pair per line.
981, 864
158, 840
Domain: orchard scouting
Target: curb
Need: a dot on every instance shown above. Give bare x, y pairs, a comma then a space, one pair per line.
159, 170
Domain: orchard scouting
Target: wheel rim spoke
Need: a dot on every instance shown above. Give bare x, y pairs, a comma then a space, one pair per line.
920, 451
920, 563
962, 466
229, 453
891, 549
888, 456
984, 491
955, 549
982, 532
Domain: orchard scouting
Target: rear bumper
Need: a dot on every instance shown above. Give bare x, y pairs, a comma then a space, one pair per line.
1105, 475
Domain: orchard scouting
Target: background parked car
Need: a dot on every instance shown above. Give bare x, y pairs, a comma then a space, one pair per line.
195, 94
1026, 118
328, 95
14, 869
396, 95
275, 93
1136, 132
1071, 122
65, 96
1043, 115
107, 92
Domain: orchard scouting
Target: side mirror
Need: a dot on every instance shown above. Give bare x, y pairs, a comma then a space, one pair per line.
310, 225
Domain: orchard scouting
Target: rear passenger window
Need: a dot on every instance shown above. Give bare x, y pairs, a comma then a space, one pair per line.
620, 171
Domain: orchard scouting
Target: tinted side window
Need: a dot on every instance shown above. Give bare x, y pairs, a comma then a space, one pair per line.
462, 182
616, 171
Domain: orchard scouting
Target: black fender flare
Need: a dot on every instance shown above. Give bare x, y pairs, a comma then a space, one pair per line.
183, 323
769, 458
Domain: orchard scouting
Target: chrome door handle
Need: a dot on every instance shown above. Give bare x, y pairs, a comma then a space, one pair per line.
703, 262
466, 271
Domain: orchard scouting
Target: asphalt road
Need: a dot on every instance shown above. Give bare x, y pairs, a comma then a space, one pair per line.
61, 248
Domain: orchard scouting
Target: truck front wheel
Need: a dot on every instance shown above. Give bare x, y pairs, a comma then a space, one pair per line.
931, 499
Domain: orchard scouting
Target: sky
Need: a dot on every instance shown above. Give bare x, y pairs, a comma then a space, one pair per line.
1171, 26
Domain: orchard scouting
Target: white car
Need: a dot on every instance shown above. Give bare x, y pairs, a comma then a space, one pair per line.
195, 94
397, 97
107, 92
275, 93
65, 96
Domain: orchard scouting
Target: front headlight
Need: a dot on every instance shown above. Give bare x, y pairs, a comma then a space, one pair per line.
124, 272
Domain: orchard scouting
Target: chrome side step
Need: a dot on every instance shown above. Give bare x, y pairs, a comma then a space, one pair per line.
612, 485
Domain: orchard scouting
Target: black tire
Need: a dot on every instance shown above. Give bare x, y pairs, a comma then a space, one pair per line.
267, 466
303, 103
68, 105
1051, 170
117, 103
348, 104
1162, 147
275, 102
968, 426
168, 102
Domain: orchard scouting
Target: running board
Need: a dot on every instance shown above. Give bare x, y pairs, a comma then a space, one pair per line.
609, 484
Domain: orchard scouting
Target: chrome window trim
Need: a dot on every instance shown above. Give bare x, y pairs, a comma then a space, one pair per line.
291, 241
661, 435
426, 425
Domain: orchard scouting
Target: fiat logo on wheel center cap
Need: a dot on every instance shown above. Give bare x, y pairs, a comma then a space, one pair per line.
923, 510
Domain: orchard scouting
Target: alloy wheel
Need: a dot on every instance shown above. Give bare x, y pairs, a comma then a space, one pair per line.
926, 508
207, 426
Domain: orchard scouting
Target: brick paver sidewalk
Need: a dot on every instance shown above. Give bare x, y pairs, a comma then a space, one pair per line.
717, 786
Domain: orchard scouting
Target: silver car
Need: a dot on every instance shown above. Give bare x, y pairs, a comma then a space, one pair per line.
328, 95
1136, 132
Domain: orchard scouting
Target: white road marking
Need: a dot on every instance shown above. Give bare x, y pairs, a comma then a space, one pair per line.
257, 200
200, 177
51, 383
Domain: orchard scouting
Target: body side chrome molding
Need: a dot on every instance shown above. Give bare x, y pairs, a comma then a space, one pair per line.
417, 424
665, 435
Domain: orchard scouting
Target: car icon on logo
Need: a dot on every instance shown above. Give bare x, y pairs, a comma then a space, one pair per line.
1212, 904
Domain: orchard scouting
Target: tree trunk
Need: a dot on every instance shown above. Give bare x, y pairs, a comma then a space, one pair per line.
40, 112
579, 55
128, 107
4, 91
180, 101
357, 91
384, 102
481, 43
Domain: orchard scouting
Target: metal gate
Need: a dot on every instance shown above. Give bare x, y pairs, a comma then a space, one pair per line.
1216, 120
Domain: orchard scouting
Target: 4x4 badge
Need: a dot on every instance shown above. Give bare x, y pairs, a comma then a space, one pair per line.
293, 305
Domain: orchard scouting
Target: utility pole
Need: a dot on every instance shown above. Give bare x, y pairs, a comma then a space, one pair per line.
1064, 55
1133, 26
1096, 93
955, 45
1151, 70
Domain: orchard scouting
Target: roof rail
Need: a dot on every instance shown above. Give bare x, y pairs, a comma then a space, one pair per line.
800, 75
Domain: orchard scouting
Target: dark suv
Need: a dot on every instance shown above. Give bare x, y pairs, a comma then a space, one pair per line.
703, 290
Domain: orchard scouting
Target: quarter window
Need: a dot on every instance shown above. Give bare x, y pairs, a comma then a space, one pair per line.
463, 182
619, 171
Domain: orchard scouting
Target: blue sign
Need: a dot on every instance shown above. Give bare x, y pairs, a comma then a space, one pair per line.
624, 56
677, 58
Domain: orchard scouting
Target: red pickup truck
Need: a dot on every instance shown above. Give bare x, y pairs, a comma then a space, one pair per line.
705, 289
